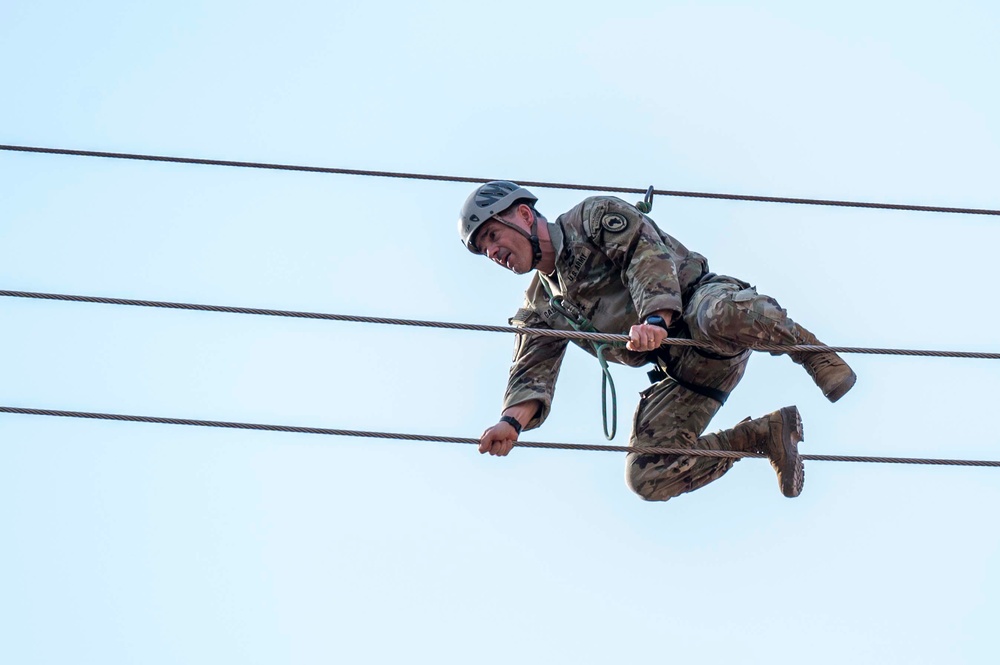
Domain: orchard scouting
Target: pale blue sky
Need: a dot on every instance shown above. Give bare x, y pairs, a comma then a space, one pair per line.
126, 543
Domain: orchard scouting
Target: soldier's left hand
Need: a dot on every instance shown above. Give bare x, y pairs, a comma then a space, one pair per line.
645, 337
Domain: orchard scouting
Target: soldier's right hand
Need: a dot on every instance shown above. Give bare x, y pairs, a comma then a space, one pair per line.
498, 440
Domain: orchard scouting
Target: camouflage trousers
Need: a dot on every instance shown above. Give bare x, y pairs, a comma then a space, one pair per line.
730, 315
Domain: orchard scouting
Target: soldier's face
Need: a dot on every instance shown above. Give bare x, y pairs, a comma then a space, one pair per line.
505, 247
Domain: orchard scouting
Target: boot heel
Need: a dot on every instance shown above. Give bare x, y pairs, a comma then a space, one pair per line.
784, 451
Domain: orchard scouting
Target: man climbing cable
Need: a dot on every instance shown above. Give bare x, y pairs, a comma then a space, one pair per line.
606, 266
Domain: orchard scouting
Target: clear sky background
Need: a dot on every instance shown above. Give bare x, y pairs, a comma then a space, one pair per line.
129, 543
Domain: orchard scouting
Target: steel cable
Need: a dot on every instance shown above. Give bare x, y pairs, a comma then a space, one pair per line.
728, 454
541, 332
526, 183
597, 337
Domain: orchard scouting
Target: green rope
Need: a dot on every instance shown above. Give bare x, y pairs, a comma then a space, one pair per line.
606, 379
580, 323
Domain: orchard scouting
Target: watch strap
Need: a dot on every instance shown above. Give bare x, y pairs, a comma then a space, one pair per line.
513, 422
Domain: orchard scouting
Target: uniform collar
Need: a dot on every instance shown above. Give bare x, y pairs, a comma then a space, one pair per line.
558, 241
556, 238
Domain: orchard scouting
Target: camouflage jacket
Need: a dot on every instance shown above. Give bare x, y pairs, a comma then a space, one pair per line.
614, 267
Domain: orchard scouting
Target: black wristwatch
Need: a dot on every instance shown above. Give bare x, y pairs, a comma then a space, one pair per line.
512, 421
657, 320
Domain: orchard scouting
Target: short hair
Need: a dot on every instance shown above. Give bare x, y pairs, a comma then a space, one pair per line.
527, 202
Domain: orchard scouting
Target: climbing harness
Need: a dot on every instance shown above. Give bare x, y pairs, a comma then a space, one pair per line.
666, 367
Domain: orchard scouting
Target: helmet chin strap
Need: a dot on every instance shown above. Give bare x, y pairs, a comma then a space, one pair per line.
536, 246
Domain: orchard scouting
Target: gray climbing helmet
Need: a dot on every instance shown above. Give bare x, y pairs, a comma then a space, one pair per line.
485, 203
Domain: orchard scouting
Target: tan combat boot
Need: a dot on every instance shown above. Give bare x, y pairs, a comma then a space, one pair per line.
828, 370
776, 435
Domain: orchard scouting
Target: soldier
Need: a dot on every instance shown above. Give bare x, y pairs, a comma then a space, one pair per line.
606, 266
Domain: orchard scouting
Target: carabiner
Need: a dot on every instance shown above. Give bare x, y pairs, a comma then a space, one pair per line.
646, 204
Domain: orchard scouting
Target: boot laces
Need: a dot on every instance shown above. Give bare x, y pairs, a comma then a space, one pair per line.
821, 361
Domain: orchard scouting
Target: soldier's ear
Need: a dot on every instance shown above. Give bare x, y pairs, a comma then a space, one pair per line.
526, 214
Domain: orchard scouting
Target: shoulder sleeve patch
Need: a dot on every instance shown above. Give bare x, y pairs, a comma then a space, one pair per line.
613, 222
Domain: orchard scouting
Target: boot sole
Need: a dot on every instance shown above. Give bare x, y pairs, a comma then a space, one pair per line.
791, 471
841, 388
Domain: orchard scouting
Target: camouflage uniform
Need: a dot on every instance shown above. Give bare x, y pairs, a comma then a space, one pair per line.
614, 268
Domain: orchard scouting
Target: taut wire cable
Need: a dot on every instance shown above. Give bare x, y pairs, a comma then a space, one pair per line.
526, 183
728, 454
541, 332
